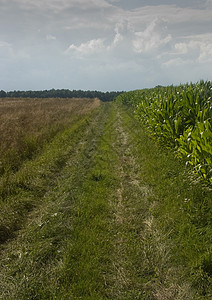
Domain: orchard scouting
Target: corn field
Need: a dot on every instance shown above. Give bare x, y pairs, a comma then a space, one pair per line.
180, 117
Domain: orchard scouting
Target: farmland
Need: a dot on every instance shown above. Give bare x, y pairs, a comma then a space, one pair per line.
179, 117
26, 124
97, 207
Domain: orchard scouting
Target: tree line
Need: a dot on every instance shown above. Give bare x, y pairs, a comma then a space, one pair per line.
61, 93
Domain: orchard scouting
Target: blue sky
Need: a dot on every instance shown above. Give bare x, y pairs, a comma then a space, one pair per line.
104, 45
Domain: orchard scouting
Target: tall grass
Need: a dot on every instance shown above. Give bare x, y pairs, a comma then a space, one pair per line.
22, 190
27, 124
179, 117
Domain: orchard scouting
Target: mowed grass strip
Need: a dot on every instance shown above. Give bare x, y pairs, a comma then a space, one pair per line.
130, 208
87, 263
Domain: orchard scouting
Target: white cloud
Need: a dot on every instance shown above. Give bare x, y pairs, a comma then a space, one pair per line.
4, 44
196, 47
121, 30
151, 38
181, 48
90, 47
176, 16
205, 52
61, 5
6, 49
118, 36
50, 37
175, 62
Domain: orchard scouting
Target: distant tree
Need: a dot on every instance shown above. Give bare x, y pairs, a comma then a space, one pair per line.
3, 94
64, 93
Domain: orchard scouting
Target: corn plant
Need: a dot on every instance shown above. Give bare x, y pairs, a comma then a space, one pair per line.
179, 117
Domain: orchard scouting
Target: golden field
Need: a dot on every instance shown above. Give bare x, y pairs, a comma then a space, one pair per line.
27, 123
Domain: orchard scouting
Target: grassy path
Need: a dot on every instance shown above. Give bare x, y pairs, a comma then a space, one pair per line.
109, 226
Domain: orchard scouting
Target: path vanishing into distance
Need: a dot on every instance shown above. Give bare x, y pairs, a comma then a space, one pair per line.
106, 220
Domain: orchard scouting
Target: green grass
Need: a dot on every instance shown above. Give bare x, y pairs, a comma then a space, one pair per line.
65, 238
22, 191
178, 228
120, 218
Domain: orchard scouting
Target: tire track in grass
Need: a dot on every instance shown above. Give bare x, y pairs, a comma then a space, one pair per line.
150, 260
88, 259
141, 252
130, 208
122, 278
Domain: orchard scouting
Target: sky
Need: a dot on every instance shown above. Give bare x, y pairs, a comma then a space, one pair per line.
105, 45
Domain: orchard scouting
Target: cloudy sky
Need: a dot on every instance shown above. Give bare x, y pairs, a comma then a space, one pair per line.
104, 44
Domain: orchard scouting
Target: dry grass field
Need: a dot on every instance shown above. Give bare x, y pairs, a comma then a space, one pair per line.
26, 124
